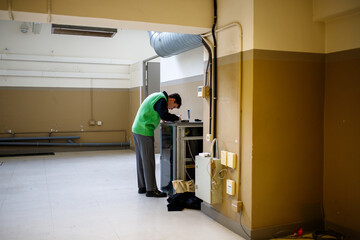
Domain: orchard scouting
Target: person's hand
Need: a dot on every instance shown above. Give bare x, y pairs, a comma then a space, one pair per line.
179, 118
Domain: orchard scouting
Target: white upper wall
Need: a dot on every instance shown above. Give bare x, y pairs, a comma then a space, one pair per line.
184, 65
126, 44
136, 74
236, 38
51, 60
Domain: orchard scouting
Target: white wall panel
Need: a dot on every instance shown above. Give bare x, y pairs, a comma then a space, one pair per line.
136, 74
37, 60
126, 44
181, 66
62, 82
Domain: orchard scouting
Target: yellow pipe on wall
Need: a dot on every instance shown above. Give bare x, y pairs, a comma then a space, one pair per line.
233, 24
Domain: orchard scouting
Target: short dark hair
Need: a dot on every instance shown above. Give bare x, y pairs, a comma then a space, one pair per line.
177, 98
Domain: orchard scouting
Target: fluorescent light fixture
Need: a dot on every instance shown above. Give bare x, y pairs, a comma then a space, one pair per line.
83, 31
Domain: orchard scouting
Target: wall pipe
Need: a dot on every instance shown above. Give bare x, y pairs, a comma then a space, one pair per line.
209, 47
124, 144
51, 137
215, 69
230, 25
11, 15
38, 138
56, 132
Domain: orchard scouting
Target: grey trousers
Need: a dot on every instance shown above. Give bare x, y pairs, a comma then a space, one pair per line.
145, 161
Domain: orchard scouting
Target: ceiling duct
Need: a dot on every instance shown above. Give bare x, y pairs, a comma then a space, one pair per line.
83, 31
170, 44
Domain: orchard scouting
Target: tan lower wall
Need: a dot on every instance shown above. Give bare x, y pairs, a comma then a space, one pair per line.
341, 140
287, 137
228, 133
228, 115
281, 138
134, 104
37, 112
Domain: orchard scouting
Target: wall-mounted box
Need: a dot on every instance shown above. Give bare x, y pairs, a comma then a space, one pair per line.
203, 91
231, 160
230, 187
224, 156
207, 180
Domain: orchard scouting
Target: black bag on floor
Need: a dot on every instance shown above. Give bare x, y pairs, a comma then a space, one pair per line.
179, 201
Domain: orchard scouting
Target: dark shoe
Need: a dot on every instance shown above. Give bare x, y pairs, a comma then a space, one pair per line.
142, 190
156, 193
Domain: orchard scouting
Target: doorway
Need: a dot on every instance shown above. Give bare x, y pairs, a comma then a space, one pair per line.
151, 84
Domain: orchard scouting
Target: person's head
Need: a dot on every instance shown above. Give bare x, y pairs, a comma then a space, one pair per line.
174, 101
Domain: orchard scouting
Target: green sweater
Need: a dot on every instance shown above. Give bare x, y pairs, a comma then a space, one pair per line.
147, 119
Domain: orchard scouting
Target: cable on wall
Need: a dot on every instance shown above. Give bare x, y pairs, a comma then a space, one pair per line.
215, 66
49, 11
11, 15
209, 62
230, 25
209, 69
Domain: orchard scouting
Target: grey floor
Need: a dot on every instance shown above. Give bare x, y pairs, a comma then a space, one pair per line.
89, 195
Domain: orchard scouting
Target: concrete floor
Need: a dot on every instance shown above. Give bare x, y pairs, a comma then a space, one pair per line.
89, 195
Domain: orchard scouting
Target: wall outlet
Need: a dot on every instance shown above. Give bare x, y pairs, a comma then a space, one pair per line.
224, 155
231, 160
209, 137
92, 122
230, 187
236, 205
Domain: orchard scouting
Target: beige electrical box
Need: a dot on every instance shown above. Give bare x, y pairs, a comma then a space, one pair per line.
208, 185
203, 91
230, 187
236, 205
224, 156
92, 122
231, 160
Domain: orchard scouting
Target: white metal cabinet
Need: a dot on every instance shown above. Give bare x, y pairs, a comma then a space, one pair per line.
207, 180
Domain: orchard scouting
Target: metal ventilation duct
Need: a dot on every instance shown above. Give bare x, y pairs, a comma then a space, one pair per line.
170, 44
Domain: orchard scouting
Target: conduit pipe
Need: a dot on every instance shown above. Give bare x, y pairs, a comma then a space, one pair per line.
209, 47
125, 144
38, 138
169, 44
11, 15
230, 25
215, 77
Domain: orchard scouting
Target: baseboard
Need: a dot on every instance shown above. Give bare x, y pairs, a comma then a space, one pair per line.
349, 234
42, 150
286, 229
225, 221
261, 233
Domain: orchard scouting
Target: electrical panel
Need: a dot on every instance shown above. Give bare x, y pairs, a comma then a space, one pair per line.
208, 185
